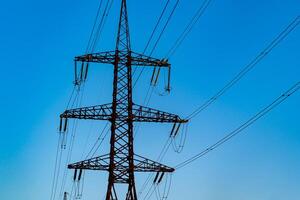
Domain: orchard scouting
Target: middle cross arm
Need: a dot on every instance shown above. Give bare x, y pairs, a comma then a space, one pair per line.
146, 114
140, 114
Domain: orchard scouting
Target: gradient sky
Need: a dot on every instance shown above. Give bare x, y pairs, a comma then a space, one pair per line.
40, 38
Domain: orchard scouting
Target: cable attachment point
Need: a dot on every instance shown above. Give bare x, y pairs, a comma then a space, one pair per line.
175, 129
63, 125
156, 73
82, 73
158, 178
66, 196
75, 177
168, 86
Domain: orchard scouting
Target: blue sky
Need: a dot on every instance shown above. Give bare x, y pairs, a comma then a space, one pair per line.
40, 38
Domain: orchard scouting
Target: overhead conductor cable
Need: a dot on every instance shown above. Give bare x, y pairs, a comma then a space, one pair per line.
248, 67
245, 125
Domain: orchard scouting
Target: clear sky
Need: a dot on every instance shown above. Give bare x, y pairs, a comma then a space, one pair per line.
40, 38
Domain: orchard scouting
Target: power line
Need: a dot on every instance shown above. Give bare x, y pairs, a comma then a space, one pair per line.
188, 28
248, 67
102, 22
93, 39
156, 26
168, 142
77, 102
94, 26
68, 158
155, 45
55, 167
159, 159
150, 88
165, 26
90, 47
252, 64
159, 37
245, 125
101, 139
60, 149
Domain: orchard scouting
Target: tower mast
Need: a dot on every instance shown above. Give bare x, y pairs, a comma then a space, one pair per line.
121, 162
121, 150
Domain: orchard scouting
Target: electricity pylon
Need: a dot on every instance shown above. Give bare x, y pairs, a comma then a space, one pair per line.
121, 162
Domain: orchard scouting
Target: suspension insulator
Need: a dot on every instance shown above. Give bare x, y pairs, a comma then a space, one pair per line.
86, 71
153, 74
75, 175
60, 124
75, 73
173, 128
160, 178
156, 177
169, 79
66, 125
65, 196
81, 71
177, 130
80, 174
157, 75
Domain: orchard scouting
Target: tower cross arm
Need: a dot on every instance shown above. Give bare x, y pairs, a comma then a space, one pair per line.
138, 59
104, 112
146, 165
109, 57
101, 163
97, 163
100, 112
146, 114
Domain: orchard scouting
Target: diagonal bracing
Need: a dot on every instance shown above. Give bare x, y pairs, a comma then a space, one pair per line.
121, 162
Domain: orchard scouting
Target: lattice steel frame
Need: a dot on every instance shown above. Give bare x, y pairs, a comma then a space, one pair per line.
121, 162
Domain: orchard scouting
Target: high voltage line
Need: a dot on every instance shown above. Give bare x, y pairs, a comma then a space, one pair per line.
149, 91
192, 22
160, 35
188, 28
244, 126
92, 42
165, 26
153, 33
178, 42
94, 26
61, 143
156, 25
282, 35
279, 100
97, 30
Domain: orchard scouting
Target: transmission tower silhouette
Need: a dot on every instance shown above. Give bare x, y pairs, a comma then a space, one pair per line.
121, 162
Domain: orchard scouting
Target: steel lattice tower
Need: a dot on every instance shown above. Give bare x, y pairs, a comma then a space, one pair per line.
121, 162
